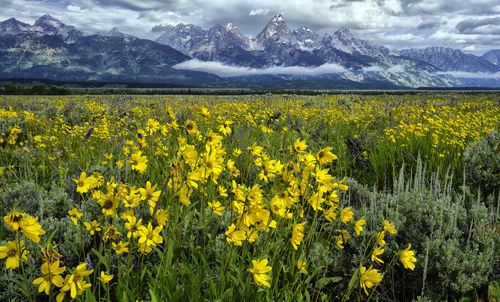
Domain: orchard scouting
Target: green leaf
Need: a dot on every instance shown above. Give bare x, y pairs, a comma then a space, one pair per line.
49, 240
89, 296
101, 258
325, 281
226, 296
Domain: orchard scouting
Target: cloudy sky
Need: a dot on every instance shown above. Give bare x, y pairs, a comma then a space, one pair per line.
469, 25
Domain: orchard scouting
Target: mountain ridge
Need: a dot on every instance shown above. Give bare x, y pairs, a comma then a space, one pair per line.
51, 48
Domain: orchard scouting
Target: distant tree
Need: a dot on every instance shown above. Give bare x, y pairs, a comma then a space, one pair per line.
38, 90
58, 91
12, 89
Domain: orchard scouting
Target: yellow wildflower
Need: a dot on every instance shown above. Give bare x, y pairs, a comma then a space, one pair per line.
259, 271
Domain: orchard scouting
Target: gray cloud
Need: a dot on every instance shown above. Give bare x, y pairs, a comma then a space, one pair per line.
479, 26
140, 5
429, 24
161, 28
393, 23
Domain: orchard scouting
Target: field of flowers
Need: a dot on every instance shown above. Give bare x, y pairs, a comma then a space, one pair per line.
250, 198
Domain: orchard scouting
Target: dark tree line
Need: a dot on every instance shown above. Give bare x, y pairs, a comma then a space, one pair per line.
11, 89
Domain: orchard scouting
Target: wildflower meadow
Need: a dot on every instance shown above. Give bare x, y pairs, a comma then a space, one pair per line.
250, 198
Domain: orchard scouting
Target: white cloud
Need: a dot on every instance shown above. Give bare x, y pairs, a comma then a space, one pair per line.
393, 23
223, 70
396, 68
393, 69
259, 11
472, 75
373, 69
74, 8
469, 48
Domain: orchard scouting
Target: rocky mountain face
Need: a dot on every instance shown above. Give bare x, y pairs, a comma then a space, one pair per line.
277, 45
492, 56
448, 59
52, 50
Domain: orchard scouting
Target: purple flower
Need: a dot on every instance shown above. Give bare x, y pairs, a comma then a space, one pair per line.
89, 263
89, 133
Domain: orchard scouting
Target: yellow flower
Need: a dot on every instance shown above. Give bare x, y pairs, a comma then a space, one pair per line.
346, 215
29, 225
51, 274
138, 162
133, 226
301, 266
222, 191
339, 241
83, 184
297, 234
216, 207
13, 220
376, 252
407, 257
225, 128
236, 152
184, 195
150, 236
358, 225
121, 247
105, 278
75, 282
213, 139
300, 146
325, 156
235, 237
380, 238
369, 278
111, 233
109, 204
331, 213
74, 215
191, 127
149, 194
11, 251
92, 228
259, 271
389, 227
161, 216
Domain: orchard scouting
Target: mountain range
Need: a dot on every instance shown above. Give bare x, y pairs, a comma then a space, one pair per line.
50, 49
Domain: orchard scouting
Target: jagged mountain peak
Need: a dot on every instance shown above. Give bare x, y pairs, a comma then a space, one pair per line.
344, 33
13, 26
492, 56
230, 27
48, 20
275, 29
115, 32
51, 26
449, 59
278, 18
11, 21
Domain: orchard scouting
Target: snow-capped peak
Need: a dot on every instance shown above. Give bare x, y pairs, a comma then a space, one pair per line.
278, 18
344, 33
230, 27
275, 29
